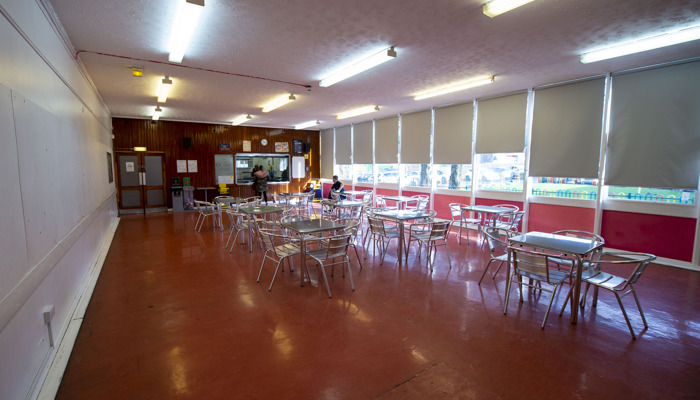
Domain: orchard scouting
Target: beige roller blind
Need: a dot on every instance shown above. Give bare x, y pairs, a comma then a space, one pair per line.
566, 129
452, 141
343, 143
386, 140
327, 153
501, 124
415, 137
654, 138
362, 143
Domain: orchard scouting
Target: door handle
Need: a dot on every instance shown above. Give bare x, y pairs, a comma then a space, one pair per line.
142, 178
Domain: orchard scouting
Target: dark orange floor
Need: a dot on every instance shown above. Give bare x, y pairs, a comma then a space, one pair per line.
175, 316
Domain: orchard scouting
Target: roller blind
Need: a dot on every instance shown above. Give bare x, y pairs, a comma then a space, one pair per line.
501, 124
654, 138
452, 140
327, 153
386, 140
566, 129
343, 143
415, 137
362, 143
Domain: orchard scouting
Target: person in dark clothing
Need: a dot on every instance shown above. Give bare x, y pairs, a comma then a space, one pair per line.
261, 177
337, 187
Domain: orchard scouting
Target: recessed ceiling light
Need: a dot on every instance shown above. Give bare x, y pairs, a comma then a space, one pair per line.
357, 111
186, 20
664, 39
156, 113
454, 88
307, 124
498, 7
278, 102
241, 119
359, 66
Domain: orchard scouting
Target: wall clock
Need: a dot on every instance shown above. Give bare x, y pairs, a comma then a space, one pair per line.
263, 142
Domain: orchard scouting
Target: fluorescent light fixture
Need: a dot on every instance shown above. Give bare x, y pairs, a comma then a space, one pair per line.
140, 149
643, 44
498, 7
186, 20
357, 111
164, 89
156, 113
307, 124
241, 119
278, 102
454, 88
360, 66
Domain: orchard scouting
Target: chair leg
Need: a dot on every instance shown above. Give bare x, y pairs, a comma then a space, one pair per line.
624, 313
275, 274
639, 306
352, 283
325, 278
510, 281
549, 306
358, 256
487, 268
261, 267
447, 251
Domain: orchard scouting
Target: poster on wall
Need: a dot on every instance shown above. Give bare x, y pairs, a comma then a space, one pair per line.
282, 147
191, 165
246, 145
129, 166
297, 146
181, 166
224, 147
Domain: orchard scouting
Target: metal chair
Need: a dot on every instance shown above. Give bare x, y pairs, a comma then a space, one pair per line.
618, 285
538, 267
591, 257
278, 246
205, 209
497, 239
333, 248
382, 232
432, 236
419, 203
510, 221
461, 216
238, 224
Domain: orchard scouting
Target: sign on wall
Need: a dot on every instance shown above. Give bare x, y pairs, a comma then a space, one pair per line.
224, 147
282, 147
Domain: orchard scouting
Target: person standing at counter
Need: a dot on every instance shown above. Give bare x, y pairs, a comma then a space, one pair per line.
260, 182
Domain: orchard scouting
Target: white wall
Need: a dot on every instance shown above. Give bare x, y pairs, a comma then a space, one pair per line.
56, 204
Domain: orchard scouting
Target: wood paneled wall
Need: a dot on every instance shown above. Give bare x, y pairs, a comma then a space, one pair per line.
168, 136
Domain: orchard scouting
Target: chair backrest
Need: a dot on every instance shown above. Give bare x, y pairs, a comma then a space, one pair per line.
271, 238
510, 206
439, 229
497, 240
376, 225
381, 203
352, 226
533, 264
336, 246
584, 235
642, 260
367, 198
515, 219
456, 210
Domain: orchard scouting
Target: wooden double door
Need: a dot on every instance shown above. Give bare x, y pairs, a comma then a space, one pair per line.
141, 182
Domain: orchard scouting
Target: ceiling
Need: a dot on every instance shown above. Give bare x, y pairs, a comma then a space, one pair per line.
247, 52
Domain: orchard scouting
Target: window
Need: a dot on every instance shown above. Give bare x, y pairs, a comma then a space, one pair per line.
572, 188
500, 171
364, 174
344, 171
223, 168
453, 176
388, 173
276, 165
671, 196
417, 175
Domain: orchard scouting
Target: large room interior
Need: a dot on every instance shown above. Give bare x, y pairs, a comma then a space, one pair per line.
112, 294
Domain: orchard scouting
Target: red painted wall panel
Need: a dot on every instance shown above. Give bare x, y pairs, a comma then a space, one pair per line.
550, 218
661, 235
441, 204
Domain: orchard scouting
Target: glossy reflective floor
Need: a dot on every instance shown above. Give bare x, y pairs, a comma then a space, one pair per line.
175, 316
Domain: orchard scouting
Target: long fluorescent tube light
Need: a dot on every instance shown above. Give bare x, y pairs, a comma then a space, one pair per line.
164, 89
241, 119
357, 111
140, 149
278, 102
498, 7
454, 88
360, 66
186, 20
643, 44
156, 113
307, 124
